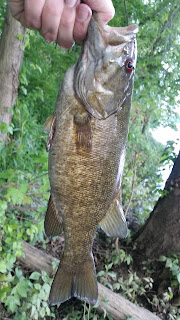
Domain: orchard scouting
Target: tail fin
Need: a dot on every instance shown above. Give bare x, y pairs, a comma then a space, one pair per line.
61, 289
81, 284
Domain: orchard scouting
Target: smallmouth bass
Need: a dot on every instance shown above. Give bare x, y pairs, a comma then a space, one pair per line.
87, 144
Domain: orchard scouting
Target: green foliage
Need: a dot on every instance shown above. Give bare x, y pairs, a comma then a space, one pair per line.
143, 160
26, 297
24, 185
23, 201
135, 283
131, 285
2, 14
87, 312
173, 264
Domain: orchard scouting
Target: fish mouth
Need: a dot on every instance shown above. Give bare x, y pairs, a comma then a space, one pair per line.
118, 35
101, 82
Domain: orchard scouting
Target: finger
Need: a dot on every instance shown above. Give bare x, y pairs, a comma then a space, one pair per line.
17, 9
104, 9
65, 31
83, 16
70, 3
51, 16
32, 13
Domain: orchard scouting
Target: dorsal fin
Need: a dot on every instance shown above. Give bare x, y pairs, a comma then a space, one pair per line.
50, 126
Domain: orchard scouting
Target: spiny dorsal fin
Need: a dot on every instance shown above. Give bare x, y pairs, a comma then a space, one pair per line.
53, 221
50, 126
114, 222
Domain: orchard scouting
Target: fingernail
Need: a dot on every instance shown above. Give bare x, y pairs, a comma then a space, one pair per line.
49, 37
73, 44
64, 49
82, 14
70, 3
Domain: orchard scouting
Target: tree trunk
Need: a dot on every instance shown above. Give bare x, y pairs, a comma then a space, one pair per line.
11, 56
117, 306
161, 233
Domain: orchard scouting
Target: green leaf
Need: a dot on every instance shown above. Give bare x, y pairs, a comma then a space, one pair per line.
20, 36
17, 195
46, 288
112, 274
162, 258
3, 205
12, 302
42, 312
178, 277
5, 128
35, 276
116, 286
24, 90
3, 291
37, 286
169, 263
22, 288
101, 273
3, 267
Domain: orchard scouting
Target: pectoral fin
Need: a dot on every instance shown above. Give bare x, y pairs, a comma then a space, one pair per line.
53, 221
114, 222
50, 126
83, 132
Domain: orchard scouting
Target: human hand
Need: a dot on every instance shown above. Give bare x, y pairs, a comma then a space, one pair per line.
64, 21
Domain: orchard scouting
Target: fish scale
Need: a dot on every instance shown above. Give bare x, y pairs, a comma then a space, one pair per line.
87, 143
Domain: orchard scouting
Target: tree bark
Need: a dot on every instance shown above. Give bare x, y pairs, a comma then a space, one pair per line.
11, 56
118, 307
161, 233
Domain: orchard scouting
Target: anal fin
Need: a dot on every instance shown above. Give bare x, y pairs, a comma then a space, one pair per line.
53, 221
114, 222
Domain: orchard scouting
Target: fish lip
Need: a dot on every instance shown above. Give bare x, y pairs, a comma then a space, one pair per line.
108, 32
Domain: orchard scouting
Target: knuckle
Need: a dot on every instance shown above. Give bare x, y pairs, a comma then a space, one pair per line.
32, 22
35, 24
79, 32
50, 9
69, 22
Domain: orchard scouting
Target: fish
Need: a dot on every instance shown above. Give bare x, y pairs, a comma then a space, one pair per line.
87, 144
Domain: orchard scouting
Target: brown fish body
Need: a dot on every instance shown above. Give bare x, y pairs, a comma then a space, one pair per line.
86, 159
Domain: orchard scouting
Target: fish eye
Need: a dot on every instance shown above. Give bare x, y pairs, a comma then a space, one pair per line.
129, 65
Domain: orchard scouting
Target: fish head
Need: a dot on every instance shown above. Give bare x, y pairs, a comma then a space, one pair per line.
103, 77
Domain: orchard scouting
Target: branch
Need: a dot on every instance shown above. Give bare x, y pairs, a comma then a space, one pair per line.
118, 307
127, 18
